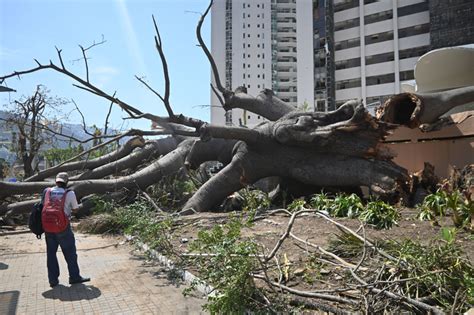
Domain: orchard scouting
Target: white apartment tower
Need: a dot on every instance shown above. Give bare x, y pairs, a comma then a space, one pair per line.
377, 44
318, 52
262, 44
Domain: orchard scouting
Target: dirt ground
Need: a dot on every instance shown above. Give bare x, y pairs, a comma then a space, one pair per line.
319, 231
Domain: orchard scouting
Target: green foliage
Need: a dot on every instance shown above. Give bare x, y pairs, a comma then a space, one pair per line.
346, 206
442, 201
380, 214
228, 268
255, 200
345, 244
101, 205
172, 191
54, 156
141, 220
448, 235
138, 219
297, 205
320, 202
440, 271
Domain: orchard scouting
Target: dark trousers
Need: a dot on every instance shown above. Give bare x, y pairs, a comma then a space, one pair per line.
68, 246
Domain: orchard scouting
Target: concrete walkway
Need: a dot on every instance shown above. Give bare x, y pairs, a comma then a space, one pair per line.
123, 282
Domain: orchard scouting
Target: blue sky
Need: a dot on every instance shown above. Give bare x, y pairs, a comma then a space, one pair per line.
32, 28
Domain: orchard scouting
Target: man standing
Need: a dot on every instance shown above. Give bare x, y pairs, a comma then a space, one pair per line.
59, 203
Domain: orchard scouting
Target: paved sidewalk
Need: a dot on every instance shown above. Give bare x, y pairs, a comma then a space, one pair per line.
122, 283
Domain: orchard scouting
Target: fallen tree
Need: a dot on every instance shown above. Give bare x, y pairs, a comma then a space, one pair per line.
341, 149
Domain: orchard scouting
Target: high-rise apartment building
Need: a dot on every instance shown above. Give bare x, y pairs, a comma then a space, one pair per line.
323, 53
263, 44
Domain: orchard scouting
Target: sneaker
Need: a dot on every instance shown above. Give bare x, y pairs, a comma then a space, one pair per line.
79, 280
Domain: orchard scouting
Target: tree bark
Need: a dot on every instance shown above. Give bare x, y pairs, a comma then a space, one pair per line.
152, 150
412, 109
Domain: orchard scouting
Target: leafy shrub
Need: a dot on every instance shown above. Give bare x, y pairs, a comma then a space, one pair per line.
379, 214
228, 268
172, 191
320, 202
346, 206
255, 200
440, 271
439, 203
297, 205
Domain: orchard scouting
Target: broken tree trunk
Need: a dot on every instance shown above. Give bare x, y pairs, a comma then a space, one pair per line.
413, 110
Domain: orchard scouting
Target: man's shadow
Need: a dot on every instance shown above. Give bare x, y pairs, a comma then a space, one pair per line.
75, 292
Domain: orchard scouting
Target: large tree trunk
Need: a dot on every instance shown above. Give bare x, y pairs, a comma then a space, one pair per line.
151, 151
413, 110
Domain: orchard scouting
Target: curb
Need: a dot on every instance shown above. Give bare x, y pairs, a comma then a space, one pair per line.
185, 275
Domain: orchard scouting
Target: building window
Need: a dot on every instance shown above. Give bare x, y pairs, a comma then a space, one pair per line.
413, 52
243, 55
380, 79
243, 76
263, 45
244, 65
258, 76
414, 30
349, 63
258, 86
407, 75
258, 66
248, 45
377, 17
248, 15
377, 38
343, 25
412, 9
263, 76
248, 25
248, 35
345, 44
370, 60
345, 5
347, 84
248, 55
258, 56
258, 25
243, 35
263, 55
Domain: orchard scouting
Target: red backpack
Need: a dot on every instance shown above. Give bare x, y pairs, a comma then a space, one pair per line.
53, 217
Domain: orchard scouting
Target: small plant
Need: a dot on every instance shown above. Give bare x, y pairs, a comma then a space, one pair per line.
228, 267
380, 214
255, 200
440, 271
172, 191
460, 206
346, 206
320, 202
345, 244
297, 205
